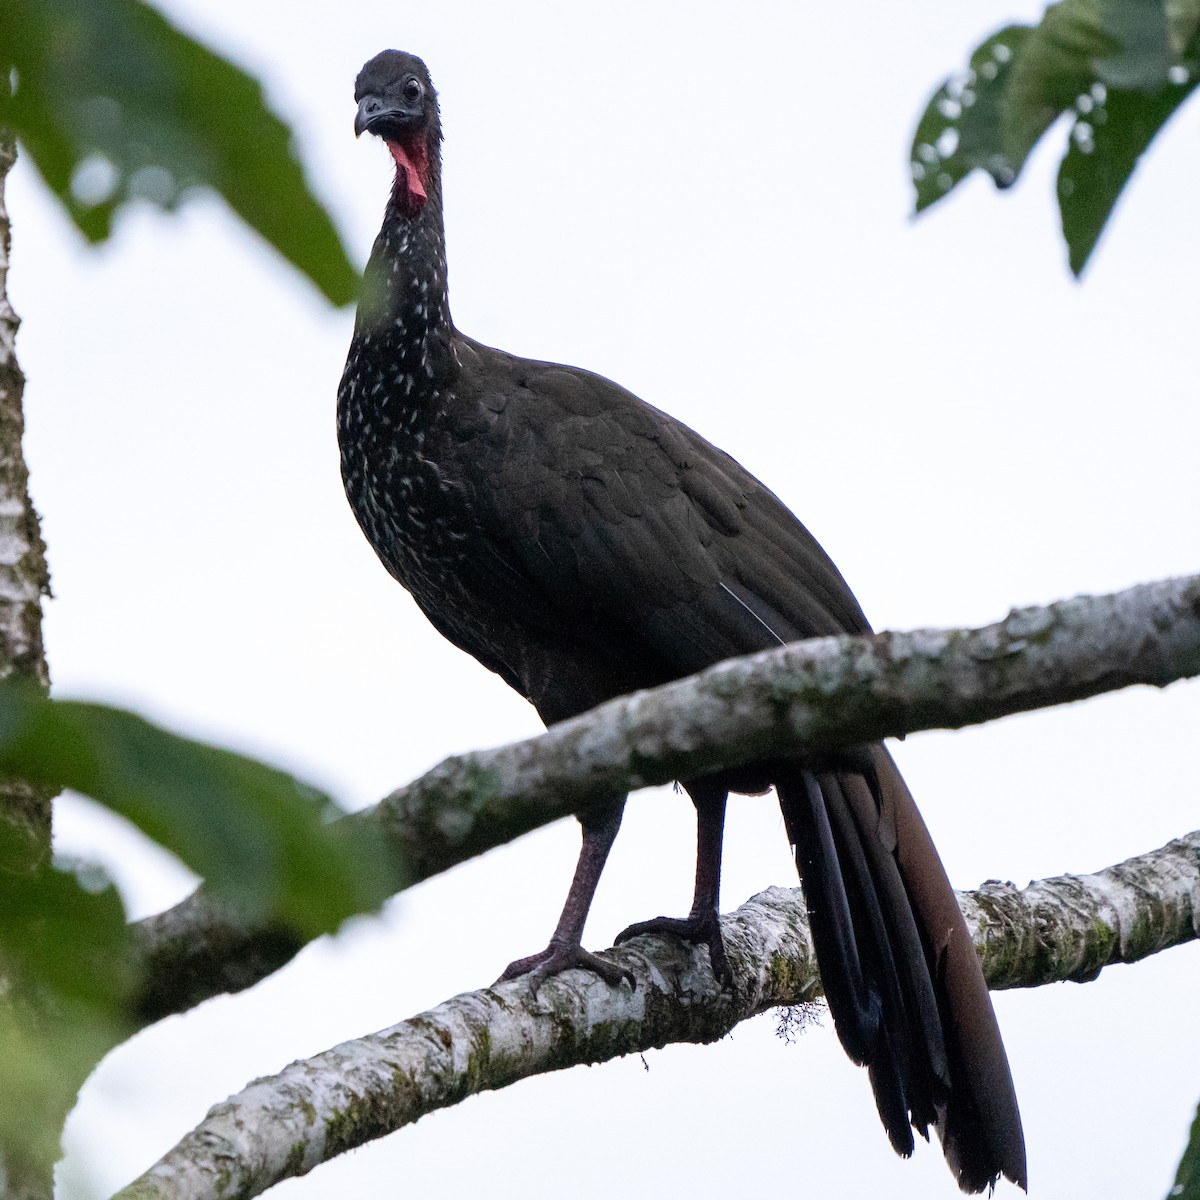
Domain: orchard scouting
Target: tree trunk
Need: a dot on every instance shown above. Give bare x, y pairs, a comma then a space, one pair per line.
24, 580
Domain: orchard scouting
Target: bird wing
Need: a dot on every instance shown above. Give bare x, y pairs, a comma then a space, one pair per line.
620, 512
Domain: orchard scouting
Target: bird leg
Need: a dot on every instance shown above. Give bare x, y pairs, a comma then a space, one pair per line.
702, 926
565, 950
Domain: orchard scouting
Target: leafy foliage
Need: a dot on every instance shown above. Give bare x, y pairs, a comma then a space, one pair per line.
114, 104
67, 976
1118, 68
1187, 1179
64, 926
263, 841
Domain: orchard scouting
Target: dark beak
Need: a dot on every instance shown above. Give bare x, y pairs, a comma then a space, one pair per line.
384, 117
376, 115
369, 107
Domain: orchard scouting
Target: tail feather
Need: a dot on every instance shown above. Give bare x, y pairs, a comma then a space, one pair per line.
851, 987
928, 1044
902, 979
914, 1045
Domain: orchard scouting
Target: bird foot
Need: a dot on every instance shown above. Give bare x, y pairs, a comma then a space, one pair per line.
562, 956
699, 931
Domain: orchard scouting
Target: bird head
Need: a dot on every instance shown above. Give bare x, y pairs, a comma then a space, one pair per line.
396, 102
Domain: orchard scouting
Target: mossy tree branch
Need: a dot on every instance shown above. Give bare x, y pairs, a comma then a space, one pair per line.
1065, 928
24, 577
812, 695
24, 580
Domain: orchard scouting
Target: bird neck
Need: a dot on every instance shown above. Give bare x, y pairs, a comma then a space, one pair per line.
405, 307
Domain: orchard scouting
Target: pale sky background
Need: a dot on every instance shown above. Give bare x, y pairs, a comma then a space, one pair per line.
710, 204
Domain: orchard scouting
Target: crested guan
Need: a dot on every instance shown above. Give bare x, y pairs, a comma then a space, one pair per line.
582, 545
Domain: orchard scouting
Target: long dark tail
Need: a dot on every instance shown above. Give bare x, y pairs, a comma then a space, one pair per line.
903, 982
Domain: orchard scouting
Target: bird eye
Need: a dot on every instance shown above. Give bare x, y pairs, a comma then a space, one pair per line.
412, 90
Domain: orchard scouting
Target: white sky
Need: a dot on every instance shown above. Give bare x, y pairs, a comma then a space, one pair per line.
709, 203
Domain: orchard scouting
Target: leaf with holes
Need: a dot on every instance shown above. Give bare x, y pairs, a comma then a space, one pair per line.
961, 128
1119, 68
1078, 44
1105, 146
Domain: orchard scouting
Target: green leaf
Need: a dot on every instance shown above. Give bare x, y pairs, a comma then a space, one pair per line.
1183, 24
1142, 34
114, 104
62, 928
263, 841
1187, 1178
1121, 44
1105, 145
1053, 68
1119, 68
45, 1057
962, 126
67, 978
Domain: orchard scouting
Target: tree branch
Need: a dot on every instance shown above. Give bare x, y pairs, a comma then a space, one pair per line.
1066, 928
813, 695
24, 580
199, 949
24, 577
807, 697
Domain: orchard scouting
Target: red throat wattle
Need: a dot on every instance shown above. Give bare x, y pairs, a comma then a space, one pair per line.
412, 174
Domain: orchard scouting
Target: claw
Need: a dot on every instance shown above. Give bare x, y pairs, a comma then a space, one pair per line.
699, 931
563, 957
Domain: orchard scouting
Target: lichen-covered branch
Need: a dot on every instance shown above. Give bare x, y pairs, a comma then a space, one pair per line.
1069, 927
1055, 929
808, 696
24, 578
199, 949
